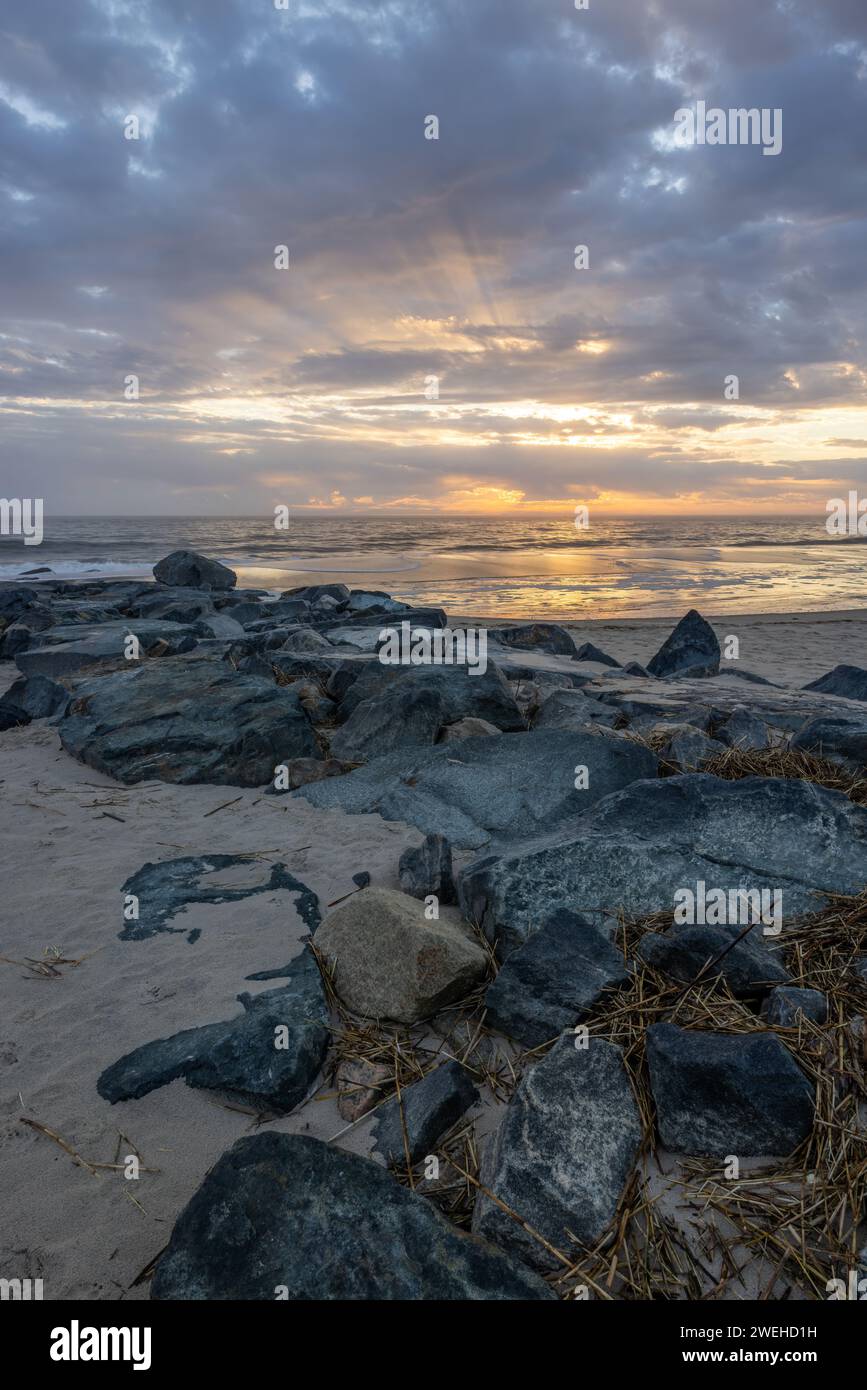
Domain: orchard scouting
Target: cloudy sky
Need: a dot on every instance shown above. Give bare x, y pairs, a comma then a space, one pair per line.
413, 258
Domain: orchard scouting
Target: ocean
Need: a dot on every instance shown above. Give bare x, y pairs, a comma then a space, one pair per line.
486, 566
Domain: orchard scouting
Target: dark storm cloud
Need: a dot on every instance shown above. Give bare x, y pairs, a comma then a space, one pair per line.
409, 257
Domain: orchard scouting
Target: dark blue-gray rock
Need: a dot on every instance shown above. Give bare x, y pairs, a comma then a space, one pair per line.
362, 879
271, 1052
186, 721
63, 651
426, 869
305, 640
839, 738
563, 1153
634, 668
542, 637
313, 593
691, 650
848, 681
40, 696
12, 716
784, 1004
374, 601
23, 633
186, 569
745, 730
485, 789
588, 652
286, 1216
688, 749
688, 950
551, 982
718, 1093
430, 1107
179, 605
15, 598
634, 849
416, 703
573, 709
165, 890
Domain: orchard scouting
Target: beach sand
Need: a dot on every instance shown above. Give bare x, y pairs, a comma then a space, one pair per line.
70, 839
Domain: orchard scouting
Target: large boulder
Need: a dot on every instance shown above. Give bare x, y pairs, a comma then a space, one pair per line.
63, 651
848, 681
688, 950
187, 569
271, 1052
549, 984
390, 961
635, 849
423, 1114
839, 738
186, 721
691, 650
12, 716
541, 637
413, 704
573, 709
39, 696
561, 1157
485, 789
283, 1216
718, 1094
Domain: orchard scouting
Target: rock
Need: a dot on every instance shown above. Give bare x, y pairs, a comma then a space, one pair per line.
562, 1155
362, 879
12, 716
718, 1094
416, 703
314, 593
506, 788
747, 731
840, 739
426, 870
430, 1107
552, 981
467, 728
272, 1052
686, 948
286, 1215
186, 569
361, 1085
587, 652
688, 749
691, 650
63, 651
848, 681
390, 962
300, 772
223, 626
38, 696
373, 600
165, 890
306, 640
544, 637
784, 1004
634, 668
573, 709
15, 598
186, 721
636, 848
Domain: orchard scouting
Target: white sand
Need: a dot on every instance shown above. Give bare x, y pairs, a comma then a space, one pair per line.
65, 858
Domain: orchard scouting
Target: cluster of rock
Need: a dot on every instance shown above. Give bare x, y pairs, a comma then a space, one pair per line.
542, 819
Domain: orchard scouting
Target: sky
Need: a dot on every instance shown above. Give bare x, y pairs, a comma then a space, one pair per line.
431, 345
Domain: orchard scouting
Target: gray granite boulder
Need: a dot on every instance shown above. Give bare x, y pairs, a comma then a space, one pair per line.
63, 651
786, 1002
839, 738
490, 789
588, 652
550, 983
283, 1216
186, 721
430, 1107
688, 748
691, 650
40, 696
390, 961
187, 569
745, 730
848, 681
426, 869
272, 1052
563, 1153
746, 963
573, 709
541, 637
718, 1094
634, 849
